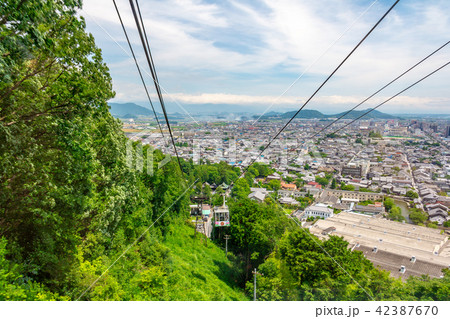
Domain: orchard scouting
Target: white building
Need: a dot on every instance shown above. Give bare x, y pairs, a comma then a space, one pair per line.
318, 210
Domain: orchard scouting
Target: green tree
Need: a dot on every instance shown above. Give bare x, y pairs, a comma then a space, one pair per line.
254, 230
275, 184
289, 179
264, 170
217, 198
333, 183
315, 275
241, 189
322, 181
55, 132
418, 216
373, 134
348, 188
396, 214
426, 288
388, 203
412, 194
66, 184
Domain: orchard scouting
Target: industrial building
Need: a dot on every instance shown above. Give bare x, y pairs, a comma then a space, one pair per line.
403, 249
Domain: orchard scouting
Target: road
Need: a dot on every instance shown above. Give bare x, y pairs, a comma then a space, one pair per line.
354, 156
413, 179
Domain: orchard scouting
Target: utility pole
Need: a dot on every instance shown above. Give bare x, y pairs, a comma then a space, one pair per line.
226, 244
255, 272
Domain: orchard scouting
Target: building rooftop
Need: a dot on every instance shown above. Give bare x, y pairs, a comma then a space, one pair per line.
319, 208
393, 240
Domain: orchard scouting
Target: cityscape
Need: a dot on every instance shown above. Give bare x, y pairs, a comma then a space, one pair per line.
210, 151
353, 171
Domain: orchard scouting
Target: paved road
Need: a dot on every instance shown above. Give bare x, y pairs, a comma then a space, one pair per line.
413, 179
354, 156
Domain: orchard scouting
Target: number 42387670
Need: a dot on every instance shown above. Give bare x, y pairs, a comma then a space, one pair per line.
407, 310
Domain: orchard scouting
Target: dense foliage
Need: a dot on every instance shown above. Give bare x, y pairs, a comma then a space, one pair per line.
73, 197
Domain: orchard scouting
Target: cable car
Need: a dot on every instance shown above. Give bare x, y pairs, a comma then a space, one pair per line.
222, 215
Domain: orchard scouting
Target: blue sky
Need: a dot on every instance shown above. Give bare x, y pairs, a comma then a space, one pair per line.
249, 53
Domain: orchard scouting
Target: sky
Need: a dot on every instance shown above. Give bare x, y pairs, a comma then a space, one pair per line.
271, 55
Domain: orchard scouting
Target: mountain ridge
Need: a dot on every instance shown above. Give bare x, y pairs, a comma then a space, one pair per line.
133, 110
314, 114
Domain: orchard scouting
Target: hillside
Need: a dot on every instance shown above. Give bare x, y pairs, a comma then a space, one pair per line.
177, 267
372, 115
202, 272
132, 110
123, 110
304, 114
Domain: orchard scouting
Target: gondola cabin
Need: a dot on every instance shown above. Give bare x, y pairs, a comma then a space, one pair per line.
222, 215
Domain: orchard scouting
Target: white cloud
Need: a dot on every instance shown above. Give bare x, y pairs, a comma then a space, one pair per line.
221, 98
249, 52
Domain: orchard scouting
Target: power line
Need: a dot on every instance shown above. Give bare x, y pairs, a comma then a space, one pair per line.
155, 78
384, 102
151, 58
378, 91
315, 61
329, 77
146, 41
138, 68
320, 87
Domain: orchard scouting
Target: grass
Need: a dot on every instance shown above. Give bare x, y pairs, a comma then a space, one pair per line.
199, 272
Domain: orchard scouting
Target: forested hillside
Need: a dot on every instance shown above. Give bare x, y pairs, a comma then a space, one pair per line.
73, 209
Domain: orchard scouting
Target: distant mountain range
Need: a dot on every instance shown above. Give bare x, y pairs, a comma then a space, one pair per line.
372, 115
313, 114
132, 110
